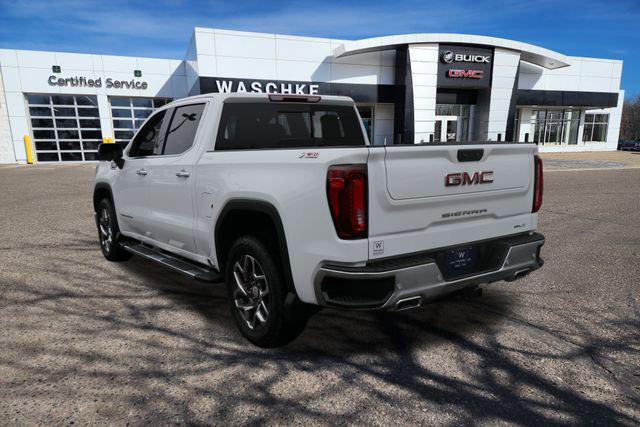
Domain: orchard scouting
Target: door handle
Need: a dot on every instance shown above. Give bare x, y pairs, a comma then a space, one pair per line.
182, 174
141, 172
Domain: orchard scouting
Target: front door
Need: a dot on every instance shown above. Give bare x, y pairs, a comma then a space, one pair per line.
130, 189
446, 129
452, 130
131, 186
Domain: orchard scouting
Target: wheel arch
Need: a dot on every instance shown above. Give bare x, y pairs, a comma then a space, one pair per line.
100, 191
226, 229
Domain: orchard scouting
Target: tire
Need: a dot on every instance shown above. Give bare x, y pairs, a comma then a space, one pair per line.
264, 311
109, 233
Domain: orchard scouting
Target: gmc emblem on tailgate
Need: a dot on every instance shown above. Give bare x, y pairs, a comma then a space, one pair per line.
463, 178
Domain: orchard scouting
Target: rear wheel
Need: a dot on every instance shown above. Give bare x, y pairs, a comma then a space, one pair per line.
109, 233
260, 304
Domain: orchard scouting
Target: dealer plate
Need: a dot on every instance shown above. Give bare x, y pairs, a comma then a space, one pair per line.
461, 260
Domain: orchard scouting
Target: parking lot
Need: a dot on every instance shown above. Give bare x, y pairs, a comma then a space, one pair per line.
86, 341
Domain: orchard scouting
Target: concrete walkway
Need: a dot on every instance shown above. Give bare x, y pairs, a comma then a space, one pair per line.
591, 160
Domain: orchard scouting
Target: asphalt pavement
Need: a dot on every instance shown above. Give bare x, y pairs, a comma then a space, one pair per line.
85, 341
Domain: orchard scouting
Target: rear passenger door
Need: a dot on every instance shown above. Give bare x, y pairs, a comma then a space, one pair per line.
170, 199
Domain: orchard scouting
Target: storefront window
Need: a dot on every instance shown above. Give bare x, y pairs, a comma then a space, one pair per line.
555, 127
128, 114
595, 127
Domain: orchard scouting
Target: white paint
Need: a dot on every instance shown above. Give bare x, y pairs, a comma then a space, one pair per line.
7, 154
424, 68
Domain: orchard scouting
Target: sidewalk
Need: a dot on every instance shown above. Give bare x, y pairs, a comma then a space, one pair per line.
591, 160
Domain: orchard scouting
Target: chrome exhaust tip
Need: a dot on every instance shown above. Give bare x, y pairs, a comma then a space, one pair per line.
521, 273
408, 303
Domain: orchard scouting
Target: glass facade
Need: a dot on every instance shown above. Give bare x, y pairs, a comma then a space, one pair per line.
595, 127
128, 114
555, 127
65, 128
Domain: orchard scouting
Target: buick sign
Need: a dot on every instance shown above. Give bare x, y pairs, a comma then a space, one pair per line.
448, 57
464, 67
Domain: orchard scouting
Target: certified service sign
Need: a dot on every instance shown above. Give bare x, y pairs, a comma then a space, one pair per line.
109, 83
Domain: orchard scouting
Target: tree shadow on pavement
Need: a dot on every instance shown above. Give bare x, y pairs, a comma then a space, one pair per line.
135, 342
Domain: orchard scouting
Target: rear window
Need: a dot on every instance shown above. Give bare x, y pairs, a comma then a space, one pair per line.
182, 129
246, 126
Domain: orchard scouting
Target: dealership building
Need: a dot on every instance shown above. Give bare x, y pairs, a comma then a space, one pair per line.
409, 89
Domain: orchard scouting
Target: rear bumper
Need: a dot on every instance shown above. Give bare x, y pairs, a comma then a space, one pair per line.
405, 282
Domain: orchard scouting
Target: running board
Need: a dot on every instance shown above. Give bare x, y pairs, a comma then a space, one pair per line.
178, 264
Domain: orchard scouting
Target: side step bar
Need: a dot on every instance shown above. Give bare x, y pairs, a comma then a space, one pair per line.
180, 265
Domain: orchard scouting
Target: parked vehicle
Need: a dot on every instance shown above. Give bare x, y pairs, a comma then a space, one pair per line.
625, 145
283, 198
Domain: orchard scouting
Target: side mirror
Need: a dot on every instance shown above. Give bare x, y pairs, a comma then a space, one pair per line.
111, 153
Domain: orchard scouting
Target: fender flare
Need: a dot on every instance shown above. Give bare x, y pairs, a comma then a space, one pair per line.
268, 209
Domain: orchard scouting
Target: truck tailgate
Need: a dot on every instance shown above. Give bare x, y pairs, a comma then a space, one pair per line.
425, 197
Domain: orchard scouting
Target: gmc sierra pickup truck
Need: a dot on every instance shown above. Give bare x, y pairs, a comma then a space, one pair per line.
283, 198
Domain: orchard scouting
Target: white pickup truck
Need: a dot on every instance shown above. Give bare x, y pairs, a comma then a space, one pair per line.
283, 198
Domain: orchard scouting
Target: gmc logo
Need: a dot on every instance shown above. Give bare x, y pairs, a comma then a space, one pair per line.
465, 74
463, 178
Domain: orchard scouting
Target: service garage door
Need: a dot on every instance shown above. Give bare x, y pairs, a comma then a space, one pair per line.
128, 114
65, 128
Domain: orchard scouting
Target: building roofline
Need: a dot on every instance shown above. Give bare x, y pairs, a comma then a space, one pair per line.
535, 54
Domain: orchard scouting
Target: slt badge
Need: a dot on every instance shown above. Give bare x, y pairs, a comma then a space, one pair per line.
309, 155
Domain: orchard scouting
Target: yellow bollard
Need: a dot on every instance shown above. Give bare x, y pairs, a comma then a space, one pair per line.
27, 149
107, 140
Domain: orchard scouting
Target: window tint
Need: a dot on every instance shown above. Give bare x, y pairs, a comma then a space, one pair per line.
182, 129
148, 141
281, 125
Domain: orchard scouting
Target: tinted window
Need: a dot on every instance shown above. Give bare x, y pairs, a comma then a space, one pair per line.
63, 100
141, 102
281, 125
87, 100
182, 129
148, 141
38, 99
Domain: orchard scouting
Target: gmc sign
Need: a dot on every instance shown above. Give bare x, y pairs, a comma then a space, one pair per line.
466, 74
457, 179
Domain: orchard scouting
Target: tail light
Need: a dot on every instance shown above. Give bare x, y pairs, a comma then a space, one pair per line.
347, 195
537, 185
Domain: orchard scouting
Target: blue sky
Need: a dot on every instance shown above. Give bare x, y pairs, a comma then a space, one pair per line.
606, 29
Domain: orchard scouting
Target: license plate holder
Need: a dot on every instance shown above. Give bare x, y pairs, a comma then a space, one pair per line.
460, 261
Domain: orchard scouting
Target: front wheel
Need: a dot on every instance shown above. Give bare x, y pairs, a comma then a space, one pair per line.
109, 233
258, 295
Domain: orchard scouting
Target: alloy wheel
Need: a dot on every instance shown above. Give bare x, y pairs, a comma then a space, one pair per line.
106, 230
251, 291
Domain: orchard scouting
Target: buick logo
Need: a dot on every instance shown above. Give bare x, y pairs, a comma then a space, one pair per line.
448, 57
